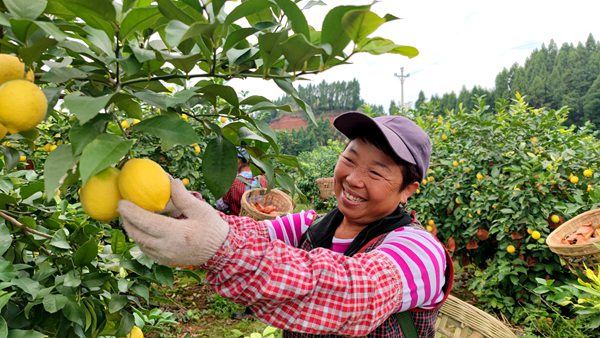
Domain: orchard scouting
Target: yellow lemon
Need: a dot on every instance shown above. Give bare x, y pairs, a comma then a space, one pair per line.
11, 68
136, 332
429, 228
535, 234
574, 179
555, 219
529, 231
418, 191
22, 105
588, 173
135, 121
22, 158
590, 188
222, 119
455, 163
431, 222
100, 195
185, 181
3, 131
30, 76
185, 117
145, 183
197, 149
125, 124
510, 249
444, 137
479, 176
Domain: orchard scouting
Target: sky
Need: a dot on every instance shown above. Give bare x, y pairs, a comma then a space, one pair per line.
461, 43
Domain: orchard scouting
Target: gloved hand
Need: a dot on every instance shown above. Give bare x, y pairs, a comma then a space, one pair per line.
192, 240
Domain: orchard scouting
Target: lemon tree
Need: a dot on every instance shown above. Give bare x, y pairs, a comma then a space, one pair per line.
500, 180
139, 79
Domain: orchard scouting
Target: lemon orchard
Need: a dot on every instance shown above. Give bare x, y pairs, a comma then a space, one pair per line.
141, 181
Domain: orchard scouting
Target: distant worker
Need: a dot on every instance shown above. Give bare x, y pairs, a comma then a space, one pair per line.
231, 203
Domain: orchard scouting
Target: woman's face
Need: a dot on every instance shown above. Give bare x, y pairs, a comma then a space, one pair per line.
367, 183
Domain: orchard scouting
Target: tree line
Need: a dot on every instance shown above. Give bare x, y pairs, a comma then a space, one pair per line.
551, 77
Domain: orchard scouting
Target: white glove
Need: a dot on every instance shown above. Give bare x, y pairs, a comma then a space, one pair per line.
192, 240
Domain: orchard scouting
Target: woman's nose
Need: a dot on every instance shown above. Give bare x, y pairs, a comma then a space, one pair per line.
355, 178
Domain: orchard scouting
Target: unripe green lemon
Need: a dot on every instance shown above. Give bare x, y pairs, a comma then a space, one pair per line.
100, 195
145, 183
22, 105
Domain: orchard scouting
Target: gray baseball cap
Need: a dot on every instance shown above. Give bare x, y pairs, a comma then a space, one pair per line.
404, 136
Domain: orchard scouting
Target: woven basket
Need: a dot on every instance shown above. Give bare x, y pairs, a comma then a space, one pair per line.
265, 197
459, 319
576, 255
325, 185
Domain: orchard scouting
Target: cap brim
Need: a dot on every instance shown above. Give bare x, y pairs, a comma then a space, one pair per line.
353, 124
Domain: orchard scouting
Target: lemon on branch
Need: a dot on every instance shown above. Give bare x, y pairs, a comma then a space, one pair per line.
145, 183
23, 105
100, 195
136, 332
11, 68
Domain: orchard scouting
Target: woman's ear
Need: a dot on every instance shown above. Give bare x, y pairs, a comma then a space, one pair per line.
408, 191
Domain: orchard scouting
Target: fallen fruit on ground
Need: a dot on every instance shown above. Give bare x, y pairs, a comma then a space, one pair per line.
23, 105
100, 195
145, 183
11, 68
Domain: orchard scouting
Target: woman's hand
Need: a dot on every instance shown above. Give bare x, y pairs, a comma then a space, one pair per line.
191, 240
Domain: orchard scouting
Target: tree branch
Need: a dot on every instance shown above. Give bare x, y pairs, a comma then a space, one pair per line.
23, 226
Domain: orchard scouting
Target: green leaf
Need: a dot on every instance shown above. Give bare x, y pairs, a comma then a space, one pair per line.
377, 46
11, 157
100, 40
74, 312
101, 153
28, 285
295, 17
358, 24
170, 11
51, 29
86, 253
25, 334
170, 128
86, 107
142, 291
297, 51
99, 14
29, 9
163, 274
139, 19
333, 32
57, 167
82, 135
72, 279
225, 92
118, 242
59, 240
270, 48
238, 36
126, 323
54, 302
128, 104
116, 303
3, 328
245, 9
4, 298
5, 239
219, 165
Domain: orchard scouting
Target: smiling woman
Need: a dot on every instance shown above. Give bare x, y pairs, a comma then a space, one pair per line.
367, 268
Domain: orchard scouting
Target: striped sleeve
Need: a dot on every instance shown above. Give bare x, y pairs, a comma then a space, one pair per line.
289, 228
421, 260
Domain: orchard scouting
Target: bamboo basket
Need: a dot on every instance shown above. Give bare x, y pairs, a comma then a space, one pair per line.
325, 185
265, 197
576, 255
459, 319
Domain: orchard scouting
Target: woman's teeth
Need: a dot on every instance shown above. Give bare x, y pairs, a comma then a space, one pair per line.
352, 198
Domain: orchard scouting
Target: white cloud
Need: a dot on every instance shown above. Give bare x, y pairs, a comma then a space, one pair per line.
461, 43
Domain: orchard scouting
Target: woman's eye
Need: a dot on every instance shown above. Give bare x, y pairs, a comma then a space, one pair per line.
375, 173
347, 159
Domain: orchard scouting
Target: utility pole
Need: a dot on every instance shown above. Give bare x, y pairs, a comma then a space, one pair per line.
401, 76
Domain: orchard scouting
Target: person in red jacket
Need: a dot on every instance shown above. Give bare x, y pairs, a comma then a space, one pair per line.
231, 203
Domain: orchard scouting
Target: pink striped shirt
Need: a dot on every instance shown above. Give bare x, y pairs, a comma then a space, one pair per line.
416, 253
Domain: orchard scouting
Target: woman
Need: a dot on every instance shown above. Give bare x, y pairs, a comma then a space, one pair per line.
367, 268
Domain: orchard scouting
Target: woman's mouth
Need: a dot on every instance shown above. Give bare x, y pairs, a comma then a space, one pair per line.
352, 198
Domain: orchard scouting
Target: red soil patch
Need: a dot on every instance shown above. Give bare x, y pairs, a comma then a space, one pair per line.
295, 122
